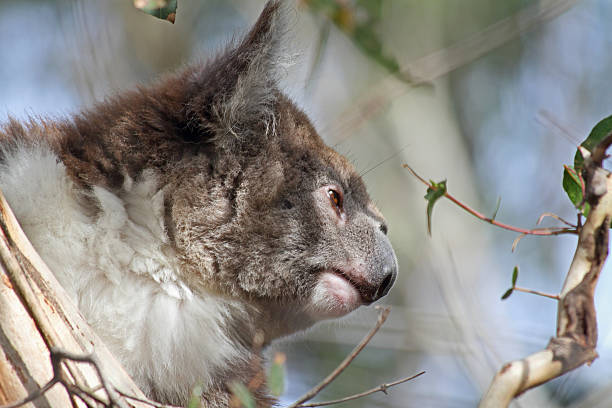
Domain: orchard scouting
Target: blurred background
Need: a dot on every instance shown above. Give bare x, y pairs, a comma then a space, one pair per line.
492, 96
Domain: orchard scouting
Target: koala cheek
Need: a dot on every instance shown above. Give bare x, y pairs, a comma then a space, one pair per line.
333, 296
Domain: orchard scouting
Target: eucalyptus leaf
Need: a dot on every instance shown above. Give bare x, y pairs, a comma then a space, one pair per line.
433, 194
507, 294
573, 187
599, 132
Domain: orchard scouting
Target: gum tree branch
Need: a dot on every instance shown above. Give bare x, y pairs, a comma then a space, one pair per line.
576, 338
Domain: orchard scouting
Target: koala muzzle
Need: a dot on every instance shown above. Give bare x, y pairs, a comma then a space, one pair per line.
387, 282
384, 271
379, 288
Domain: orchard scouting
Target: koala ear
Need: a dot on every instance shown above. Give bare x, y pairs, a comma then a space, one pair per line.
235, 94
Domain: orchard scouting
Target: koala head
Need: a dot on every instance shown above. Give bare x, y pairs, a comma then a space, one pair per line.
261, 209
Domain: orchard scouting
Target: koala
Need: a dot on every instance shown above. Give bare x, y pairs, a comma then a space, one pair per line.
195, 220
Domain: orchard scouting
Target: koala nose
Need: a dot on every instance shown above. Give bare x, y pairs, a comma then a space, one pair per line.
390, 273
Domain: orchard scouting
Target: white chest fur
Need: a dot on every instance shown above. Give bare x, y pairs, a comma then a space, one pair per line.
120, 270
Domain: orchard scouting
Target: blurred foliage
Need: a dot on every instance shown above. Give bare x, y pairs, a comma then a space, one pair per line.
242, 395
162, 9
359, 19
275, 381
276, 375
194, 399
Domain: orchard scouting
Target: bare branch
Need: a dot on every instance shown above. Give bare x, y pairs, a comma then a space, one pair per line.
382, 317
381, 388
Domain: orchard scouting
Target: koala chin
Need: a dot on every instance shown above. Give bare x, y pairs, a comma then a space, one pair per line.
187, 217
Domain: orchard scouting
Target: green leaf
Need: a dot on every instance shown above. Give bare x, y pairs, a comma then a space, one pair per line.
162, 9
514, 276
196, 396
507, 294
599, 132
276, 375
573, 187
243, 394
433, 194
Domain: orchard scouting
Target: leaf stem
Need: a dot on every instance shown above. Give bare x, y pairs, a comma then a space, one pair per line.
535, 292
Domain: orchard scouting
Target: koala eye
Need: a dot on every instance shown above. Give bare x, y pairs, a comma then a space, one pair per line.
336, 199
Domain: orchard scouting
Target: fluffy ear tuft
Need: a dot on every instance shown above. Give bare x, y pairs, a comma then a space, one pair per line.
235, 94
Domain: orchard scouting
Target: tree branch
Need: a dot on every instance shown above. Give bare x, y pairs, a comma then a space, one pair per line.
576, 337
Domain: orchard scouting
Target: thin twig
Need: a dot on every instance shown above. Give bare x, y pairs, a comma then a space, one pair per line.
556, 217
535, 292
144, 400
381, 388
82, 393
382, 317
91, 359
57, 357
470, 210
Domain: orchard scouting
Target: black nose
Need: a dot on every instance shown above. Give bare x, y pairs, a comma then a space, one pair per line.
387, 282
